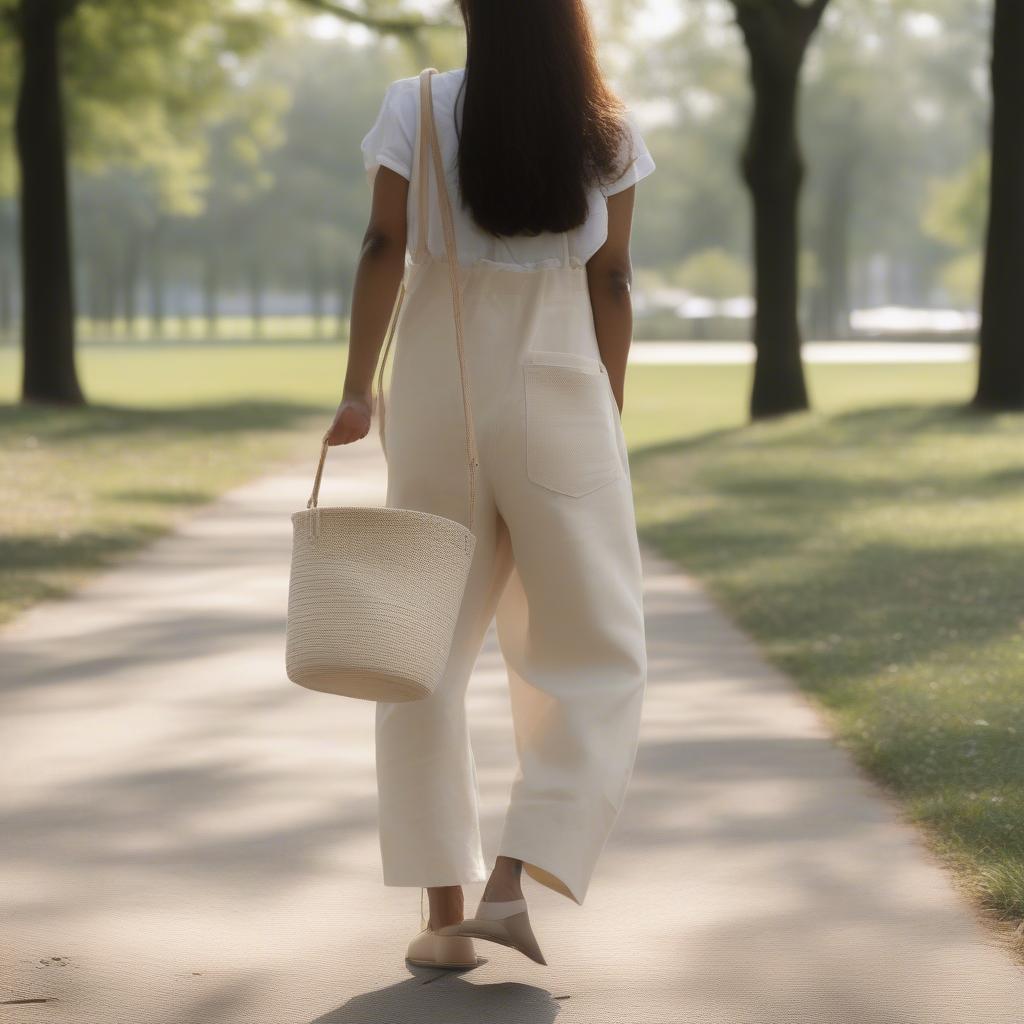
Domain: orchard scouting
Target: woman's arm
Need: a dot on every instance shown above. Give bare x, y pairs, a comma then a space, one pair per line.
609, 276
378, 275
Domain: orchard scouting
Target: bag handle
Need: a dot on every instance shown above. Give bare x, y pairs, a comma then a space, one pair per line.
427, 136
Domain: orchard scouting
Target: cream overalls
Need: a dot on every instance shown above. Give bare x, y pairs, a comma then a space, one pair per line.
556, 561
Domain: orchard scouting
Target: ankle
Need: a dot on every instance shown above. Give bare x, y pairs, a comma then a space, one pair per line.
505, 882
446, 906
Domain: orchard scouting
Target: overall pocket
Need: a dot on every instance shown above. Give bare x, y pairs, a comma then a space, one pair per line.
571, 441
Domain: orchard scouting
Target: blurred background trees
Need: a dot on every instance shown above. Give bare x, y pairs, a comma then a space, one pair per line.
217, 190
122, 88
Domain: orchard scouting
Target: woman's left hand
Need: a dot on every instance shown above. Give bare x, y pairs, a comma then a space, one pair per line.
351, 422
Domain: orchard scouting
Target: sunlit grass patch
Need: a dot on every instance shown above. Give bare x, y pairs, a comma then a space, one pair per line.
876, 552
173, 428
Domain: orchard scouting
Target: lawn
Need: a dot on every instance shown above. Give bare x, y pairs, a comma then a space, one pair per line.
874, 548
170, 428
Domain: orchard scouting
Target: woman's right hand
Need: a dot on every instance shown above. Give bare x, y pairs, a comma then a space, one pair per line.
352, 420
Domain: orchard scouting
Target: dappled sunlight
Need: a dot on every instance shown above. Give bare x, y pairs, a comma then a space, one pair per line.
815, 303
869, 552
180, 805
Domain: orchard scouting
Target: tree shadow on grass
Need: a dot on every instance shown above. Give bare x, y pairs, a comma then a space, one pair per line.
907, 630
48, 565
90, 549
97, 421
156, 496
770, 538
861, 426
947, 417
771, 535
47, 568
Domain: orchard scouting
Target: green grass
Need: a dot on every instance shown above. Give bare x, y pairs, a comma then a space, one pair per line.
875, 549
169, 430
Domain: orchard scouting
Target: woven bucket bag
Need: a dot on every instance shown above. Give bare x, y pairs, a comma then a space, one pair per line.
375, 592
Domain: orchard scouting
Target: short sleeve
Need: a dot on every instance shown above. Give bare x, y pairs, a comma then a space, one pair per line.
636, 158
390, 141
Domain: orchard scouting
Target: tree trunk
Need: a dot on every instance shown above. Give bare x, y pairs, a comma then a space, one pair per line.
211, 288
341, 300
183, 311
1001, 353
6, 300
90, 291
316, 294
776, 33
6, 297
773, 170
130, 284
109, 298
256, 298
157, 298
831, 301
48, 317
7, 263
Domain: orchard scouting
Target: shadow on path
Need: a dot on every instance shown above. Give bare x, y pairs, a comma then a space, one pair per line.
432, 997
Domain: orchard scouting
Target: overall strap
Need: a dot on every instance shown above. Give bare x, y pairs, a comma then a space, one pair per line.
422, 175
427, 140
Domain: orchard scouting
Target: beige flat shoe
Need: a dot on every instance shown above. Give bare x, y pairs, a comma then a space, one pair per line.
506, 923
431, 949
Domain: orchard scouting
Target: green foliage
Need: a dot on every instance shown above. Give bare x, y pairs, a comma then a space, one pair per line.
810, 269
227, 128
961, 277
891, 101
694, 200
143, 80
955, 211
957, 206
713, 274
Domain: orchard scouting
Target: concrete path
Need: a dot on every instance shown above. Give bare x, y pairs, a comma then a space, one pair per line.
741, 353
188, 838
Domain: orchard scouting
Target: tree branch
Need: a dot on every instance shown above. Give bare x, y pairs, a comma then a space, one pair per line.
758, 21
816, 9
14, 12
797, 10
407, 25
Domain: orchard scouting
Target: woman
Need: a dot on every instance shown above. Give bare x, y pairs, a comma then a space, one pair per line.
540, 160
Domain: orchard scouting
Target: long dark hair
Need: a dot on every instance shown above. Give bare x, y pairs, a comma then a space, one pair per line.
539, 125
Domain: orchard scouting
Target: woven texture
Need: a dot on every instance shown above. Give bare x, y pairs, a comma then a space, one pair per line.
375, 593
373, 599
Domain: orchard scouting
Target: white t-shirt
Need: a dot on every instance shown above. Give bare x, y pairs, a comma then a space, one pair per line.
391, 141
